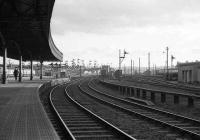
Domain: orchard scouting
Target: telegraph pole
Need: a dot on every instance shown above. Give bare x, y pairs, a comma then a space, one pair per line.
119, 60
153, 70
149, 63
124, 70
139, 65
167, 49
131, 67
171, 61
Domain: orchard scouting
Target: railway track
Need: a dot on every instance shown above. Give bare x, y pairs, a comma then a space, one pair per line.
44, 97
79, 122
182, 126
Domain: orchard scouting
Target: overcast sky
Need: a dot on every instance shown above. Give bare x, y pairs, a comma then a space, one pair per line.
97, 29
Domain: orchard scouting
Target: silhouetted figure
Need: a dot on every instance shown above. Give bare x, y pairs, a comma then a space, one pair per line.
15, 73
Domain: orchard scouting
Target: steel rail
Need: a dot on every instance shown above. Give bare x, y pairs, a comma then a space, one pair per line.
121, 133
68, 132
192, 134
145, 106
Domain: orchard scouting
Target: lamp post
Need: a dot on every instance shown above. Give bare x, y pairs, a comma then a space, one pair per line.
167, 49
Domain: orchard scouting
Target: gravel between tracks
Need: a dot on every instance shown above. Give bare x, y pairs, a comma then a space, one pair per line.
139, 129
191, 112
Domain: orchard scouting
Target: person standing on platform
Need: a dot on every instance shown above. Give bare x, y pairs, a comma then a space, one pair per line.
15, 73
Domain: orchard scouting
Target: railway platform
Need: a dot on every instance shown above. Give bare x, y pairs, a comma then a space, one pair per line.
161, 95
22, 116
151, 87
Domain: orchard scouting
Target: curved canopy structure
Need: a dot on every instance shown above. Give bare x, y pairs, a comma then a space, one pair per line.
25, 29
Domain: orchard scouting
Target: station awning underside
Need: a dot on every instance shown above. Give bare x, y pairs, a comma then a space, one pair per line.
25, 30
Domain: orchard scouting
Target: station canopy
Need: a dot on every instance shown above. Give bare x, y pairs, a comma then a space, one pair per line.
25, 30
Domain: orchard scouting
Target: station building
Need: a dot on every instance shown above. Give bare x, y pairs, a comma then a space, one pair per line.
189, 72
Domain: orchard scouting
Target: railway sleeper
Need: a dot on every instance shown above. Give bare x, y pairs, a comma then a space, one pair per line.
169, 133
163, 131
183, 124
100, 137
151, 115
80, 122
192, 128
173, 122
77, 119
173, 135
74, 116
165, 119
91, 132
176, 100
82, 125
196, 131
88, 128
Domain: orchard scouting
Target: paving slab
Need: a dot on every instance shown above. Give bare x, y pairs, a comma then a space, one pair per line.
22, 116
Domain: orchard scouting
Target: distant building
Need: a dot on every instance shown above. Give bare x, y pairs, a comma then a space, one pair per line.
189, 72
10, 69
106, 68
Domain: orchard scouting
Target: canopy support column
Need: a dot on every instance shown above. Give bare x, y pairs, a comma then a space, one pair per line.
4, 76
20, 68
31, 76
41, 63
